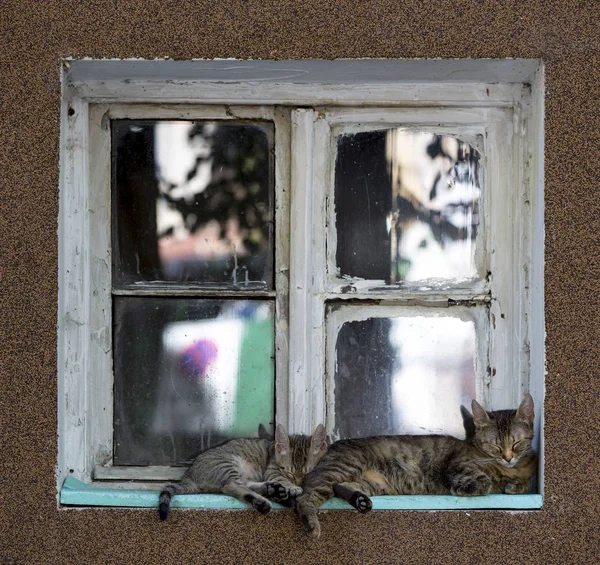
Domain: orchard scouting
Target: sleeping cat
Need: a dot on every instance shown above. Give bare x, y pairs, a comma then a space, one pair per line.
497, 458
251, 469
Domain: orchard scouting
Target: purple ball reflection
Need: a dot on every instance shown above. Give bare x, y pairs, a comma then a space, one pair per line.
196, 358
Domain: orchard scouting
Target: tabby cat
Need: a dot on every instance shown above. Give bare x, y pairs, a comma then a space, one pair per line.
251, 469
497, 458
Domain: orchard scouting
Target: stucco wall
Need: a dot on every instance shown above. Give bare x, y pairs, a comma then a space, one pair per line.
35, 35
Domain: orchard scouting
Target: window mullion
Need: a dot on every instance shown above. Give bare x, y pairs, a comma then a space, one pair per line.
282, 118
307, 271
505, 380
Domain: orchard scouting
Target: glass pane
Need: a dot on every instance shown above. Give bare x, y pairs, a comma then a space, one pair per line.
189, 374
404, 375
407, 206
193, 203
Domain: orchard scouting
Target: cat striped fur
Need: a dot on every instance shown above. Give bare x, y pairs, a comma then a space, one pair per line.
497, 458
251, 470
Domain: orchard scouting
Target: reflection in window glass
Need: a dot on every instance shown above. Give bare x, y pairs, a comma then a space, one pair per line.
404, 375
193, 203
189, 374
407, 206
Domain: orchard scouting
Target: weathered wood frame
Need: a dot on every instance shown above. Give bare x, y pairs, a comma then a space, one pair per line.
207, 89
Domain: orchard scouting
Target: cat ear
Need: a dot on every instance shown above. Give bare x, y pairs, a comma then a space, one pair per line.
282, 442
263, 433
318, 441
480, 417
468, 423
525, 411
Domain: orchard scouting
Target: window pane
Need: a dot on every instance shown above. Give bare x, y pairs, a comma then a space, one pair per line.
193, 203
407, 206
404, 375
189, 374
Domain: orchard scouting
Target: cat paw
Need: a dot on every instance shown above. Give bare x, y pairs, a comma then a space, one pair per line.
295, 491
361, 502
308, 516
313, 529
262, 505
516, 487
472, 486
277, 492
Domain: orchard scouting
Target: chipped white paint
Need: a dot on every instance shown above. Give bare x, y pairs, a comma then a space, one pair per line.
482, 102
73, 319
100, 375
459, 72
282, 121
134, 473
85, 304
307, 270
533, 148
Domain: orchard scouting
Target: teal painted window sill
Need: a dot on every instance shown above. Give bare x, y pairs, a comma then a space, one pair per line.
78, 493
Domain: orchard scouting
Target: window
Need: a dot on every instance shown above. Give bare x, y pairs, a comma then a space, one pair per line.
348, 242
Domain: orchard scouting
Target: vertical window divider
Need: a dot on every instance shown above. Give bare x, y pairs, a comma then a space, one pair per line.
307, 271
282, 261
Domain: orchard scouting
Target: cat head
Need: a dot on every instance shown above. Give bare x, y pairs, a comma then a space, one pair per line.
504, 435
297, 455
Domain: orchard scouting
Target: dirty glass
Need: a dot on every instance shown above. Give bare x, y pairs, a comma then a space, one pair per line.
188, 374
193, 203
403, 375
407, 206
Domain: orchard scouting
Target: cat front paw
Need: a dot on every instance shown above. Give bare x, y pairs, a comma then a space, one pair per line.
308, 516
472, 486
516, 487
295, 491
277, 492
361, 502
313, 529
262, 505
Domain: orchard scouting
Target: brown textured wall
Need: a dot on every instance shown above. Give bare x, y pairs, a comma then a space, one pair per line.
34, 35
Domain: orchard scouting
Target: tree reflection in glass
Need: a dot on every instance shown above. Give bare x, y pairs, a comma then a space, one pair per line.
407, 206
193, 203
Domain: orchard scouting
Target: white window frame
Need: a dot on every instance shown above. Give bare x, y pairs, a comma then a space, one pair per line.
308, 100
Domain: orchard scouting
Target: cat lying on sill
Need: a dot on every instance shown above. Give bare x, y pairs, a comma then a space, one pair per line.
496, 457
252, 469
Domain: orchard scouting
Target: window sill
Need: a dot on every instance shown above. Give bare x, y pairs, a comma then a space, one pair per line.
78, 493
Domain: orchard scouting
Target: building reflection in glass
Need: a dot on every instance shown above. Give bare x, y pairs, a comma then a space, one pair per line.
188, 374
403, 375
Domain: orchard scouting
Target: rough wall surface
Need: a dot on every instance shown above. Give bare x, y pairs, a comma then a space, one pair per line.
35, 35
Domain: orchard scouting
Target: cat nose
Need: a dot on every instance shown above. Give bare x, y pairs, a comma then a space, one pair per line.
507, 457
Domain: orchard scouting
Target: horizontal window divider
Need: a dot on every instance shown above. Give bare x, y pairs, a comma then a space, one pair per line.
140, 473
410, 299
201, 293
78, 493
436, 287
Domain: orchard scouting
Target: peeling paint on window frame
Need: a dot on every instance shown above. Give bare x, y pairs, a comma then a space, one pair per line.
307, 100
